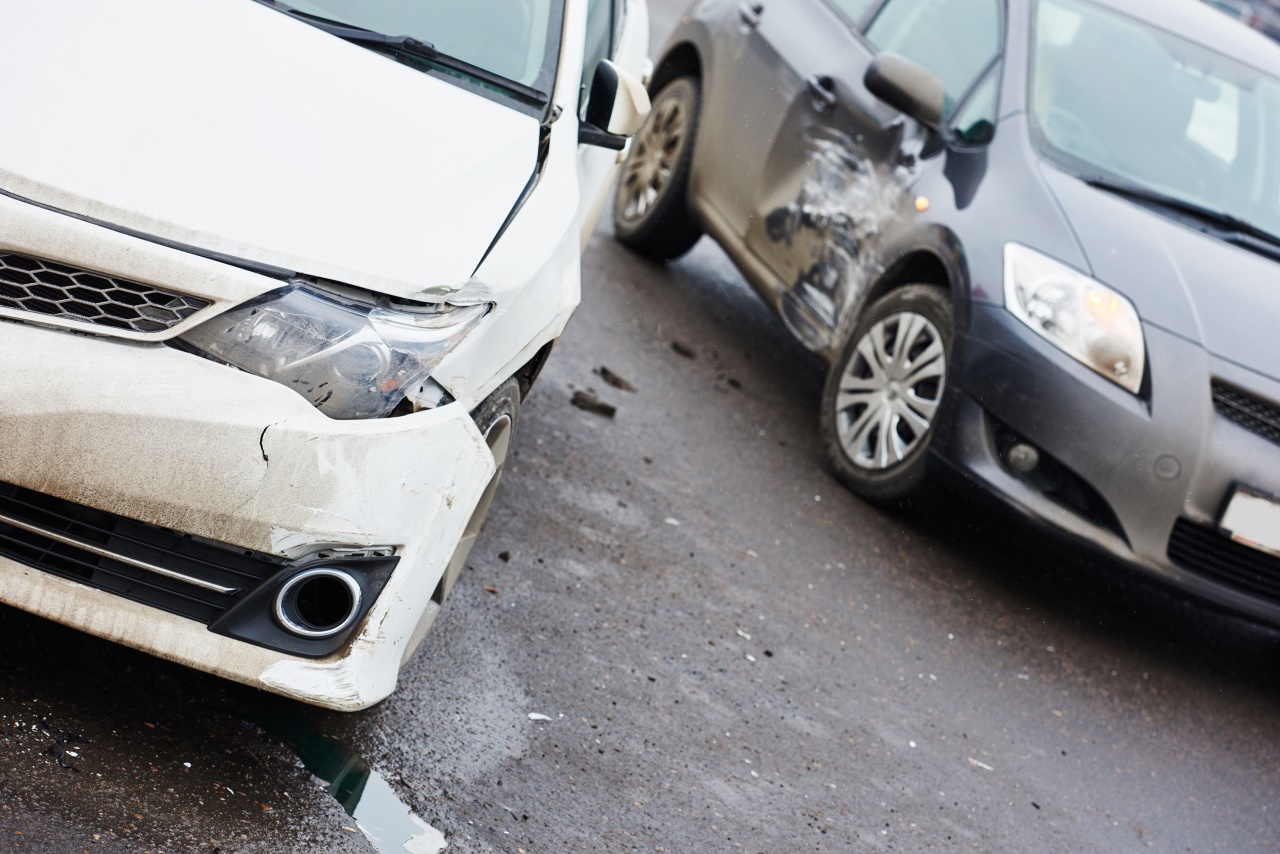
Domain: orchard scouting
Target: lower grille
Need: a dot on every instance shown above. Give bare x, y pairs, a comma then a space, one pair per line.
1248, 411
145, 563
47, 288
1207, 552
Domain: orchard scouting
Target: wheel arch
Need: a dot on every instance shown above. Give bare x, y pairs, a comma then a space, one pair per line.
681, 60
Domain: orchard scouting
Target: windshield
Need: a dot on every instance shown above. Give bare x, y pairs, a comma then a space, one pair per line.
1119, 99
512, 38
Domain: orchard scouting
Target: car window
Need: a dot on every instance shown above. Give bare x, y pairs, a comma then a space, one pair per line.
975, 121
599, 43
854, 10
955, 39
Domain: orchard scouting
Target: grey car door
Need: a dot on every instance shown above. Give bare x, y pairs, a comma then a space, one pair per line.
757, 43
842, 159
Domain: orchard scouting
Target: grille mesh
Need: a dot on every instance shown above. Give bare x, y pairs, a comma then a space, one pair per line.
58, 290
1203, 550
1248, 411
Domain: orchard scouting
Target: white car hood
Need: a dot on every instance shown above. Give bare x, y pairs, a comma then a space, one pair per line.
226, 125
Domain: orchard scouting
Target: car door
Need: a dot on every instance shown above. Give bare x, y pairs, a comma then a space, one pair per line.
842, 158
616, 30
762, 51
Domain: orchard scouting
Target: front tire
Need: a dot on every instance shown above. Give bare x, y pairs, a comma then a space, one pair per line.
651, 207
885, 394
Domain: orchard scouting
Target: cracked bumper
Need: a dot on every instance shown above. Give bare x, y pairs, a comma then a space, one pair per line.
164, 437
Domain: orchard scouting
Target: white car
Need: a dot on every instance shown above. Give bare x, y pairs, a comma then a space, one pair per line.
274, 279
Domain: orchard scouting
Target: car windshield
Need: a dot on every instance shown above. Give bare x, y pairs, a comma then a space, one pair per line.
511, 38
1123, 101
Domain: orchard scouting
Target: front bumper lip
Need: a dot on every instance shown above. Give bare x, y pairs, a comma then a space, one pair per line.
1117, 443
164, 437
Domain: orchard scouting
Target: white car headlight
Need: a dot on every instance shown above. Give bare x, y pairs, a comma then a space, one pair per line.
1085, 318
351, 358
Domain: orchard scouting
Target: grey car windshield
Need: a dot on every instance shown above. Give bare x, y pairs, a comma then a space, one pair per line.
1117, 98
511, 38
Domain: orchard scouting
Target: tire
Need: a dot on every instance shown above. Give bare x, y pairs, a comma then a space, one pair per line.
881, 407
651, 206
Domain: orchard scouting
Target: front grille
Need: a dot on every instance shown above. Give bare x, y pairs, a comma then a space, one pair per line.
69, 293
1207, 552
1248, 411
110, 541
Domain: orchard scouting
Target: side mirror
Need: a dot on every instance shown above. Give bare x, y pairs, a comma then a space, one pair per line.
908, 87
616, 109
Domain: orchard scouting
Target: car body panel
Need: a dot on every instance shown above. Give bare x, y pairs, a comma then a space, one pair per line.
248, 139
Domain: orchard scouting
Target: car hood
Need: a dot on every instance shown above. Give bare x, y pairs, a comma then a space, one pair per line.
231, 127
1180, 279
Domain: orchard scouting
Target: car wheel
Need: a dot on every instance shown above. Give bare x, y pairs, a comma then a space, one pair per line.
885, 394
496, 418
651, 207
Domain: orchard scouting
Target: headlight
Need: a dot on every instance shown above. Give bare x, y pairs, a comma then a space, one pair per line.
349, 357
1088, 320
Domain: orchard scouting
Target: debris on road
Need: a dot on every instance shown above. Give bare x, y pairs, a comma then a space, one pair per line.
683, 349
537, 716
984, 766
614, 380
588, 402
744, 635
675, 523
488, 589
504, 556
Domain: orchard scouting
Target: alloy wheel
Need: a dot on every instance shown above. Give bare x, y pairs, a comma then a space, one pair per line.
655, 151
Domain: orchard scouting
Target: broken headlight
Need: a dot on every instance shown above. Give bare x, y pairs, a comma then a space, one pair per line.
1088, 320
350, 357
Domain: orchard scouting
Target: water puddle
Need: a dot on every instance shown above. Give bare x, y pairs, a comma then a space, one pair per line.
366, 796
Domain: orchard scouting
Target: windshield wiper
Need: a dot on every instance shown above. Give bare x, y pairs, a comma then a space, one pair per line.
412, 47
1227, 226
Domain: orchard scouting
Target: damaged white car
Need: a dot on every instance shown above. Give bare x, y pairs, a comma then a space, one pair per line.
274, 279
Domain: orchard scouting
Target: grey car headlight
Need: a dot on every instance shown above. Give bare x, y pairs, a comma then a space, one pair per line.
350, 357
1088, 320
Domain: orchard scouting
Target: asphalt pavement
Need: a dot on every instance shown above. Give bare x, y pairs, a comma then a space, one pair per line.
723, 648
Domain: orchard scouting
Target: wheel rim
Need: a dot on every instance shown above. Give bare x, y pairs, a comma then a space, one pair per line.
890, 390
655, 151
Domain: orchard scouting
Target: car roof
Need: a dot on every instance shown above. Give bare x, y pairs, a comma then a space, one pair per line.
1199, 22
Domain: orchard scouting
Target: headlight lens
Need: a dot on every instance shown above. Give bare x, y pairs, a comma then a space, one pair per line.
1087, 319
349, 357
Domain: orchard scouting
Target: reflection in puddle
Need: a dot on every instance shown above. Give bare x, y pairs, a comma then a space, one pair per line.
366, 796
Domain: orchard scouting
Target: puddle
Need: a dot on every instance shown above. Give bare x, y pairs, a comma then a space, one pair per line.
366, 796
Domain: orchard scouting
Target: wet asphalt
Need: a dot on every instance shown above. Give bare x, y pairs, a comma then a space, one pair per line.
732, 651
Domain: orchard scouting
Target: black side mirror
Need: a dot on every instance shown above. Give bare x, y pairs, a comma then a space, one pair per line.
908, 87
616, 109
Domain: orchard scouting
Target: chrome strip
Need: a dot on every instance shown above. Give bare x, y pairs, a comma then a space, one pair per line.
101, 552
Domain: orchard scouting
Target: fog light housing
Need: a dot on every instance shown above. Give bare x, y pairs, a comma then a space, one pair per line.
318, 603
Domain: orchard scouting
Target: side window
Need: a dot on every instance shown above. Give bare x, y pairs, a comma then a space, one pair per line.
955, 39
855, 10
975, 122
597, 47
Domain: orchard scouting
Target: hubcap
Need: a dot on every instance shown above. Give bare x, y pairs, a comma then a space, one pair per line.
654, 153
890, 390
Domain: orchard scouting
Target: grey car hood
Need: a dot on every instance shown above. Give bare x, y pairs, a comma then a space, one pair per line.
1219, 295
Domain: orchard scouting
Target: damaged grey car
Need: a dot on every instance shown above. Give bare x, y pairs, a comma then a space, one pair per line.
1035, 240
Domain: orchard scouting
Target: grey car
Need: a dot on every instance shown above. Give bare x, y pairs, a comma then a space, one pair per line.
1036, 241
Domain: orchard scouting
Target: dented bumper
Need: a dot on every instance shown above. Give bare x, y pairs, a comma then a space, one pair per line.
153, 434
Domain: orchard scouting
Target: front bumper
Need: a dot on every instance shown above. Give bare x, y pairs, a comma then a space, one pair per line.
153, 434
1164, 461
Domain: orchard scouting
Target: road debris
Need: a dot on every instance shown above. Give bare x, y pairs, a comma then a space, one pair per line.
984, 766
588, 402
538, 716
504, 556
744, 635
488, 589
614, 380
675, 523
683, 349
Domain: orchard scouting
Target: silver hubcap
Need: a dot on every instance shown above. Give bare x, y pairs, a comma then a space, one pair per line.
654, 152
890, 390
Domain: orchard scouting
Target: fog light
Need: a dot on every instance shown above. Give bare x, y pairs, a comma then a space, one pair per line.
1022, 458
318, 603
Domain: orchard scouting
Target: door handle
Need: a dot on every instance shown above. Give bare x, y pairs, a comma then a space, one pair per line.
750, 14
822, 90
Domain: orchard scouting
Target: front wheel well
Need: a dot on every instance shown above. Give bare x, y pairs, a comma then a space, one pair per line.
681, 61
915, 268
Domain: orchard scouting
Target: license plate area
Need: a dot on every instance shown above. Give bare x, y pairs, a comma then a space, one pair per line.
1253, 519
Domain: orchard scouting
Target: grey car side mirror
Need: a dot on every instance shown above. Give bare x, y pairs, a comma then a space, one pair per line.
908, 87
616, 109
